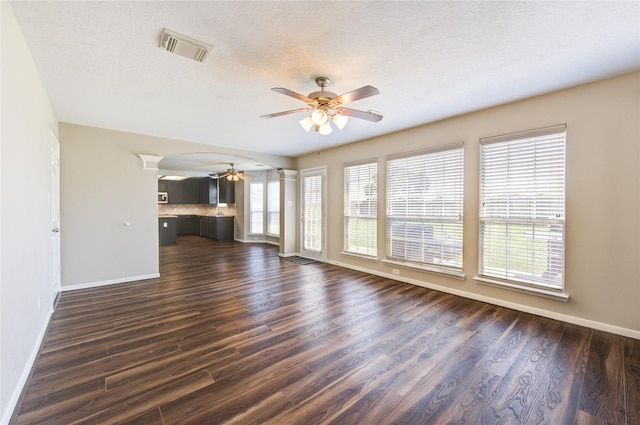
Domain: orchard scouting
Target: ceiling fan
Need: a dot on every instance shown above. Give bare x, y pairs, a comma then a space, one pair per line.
327, 106
234, 175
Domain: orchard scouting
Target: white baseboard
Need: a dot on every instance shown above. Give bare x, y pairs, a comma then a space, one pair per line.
109, 282
502, 303
291, 254
257, 241
250, 240
24, 377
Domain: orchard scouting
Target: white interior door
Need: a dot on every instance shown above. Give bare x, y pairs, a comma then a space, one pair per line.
313, 215
54, 203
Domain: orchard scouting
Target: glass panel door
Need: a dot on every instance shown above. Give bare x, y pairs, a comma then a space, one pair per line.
312, 215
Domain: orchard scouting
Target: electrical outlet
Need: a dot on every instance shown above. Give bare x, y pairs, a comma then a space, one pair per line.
396, 272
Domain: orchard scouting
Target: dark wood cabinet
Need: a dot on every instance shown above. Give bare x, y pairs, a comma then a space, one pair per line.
208, 191
188, 225
204, 226
225, 228
181, 192
226, 191
217, 228
199, 191
167, 230
174, 192
190, 191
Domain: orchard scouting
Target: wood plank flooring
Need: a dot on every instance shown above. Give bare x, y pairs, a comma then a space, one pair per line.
233, 334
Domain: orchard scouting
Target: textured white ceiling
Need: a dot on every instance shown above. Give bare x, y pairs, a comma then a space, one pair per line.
101, 64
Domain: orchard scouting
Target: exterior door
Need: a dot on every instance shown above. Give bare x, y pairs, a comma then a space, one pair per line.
313, 214
54, 203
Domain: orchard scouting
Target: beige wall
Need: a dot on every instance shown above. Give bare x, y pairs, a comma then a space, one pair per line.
603, 199
104, 187
25, 232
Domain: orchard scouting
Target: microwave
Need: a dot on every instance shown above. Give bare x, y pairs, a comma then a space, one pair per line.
163, 198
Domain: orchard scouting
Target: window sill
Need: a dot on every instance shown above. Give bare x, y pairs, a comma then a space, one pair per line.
546, 293
431, 269
360, 256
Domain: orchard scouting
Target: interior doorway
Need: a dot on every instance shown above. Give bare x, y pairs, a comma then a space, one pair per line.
54, 204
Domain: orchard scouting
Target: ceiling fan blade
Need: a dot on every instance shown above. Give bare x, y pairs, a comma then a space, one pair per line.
277, 114
223, 175
242, 174
363, 115
293, 94
357, 94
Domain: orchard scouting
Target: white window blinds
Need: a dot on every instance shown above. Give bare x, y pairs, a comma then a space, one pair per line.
425, 206
273, 208
256, 207
360, 209
312, 213
522, 207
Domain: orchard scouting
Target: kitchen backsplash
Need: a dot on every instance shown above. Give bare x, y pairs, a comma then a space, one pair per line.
195, 209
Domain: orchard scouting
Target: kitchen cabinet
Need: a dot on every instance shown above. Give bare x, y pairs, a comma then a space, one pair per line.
174, 192
208, 191
224, 228
199, 191
188, 225
181, 192
167, 229
226, 191
204, 226
219, 228
190, 191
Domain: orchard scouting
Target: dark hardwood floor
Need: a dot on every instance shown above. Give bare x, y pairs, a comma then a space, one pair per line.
233, 334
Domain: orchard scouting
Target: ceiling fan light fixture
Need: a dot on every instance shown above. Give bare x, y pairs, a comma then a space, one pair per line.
340, 120
319, 117
306, 123
325, 104
325, 129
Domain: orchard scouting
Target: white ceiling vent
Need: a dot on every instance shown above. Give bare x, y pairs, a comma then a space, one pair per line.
184, 46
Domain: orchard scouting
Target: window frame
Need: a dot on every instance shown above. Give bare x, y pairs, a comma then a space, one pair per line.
523, 205
270, 212
252, 203
367, 248
423, 233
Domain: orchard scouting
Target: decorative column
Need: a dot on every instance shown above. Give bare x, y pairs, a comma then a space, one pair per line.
288, 212
150, 162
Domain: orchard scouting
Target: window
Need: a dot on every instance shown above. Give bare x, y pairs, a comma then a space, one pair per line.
360, 209
312, 212
424, 208
522, 208
256, 207
273, 208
